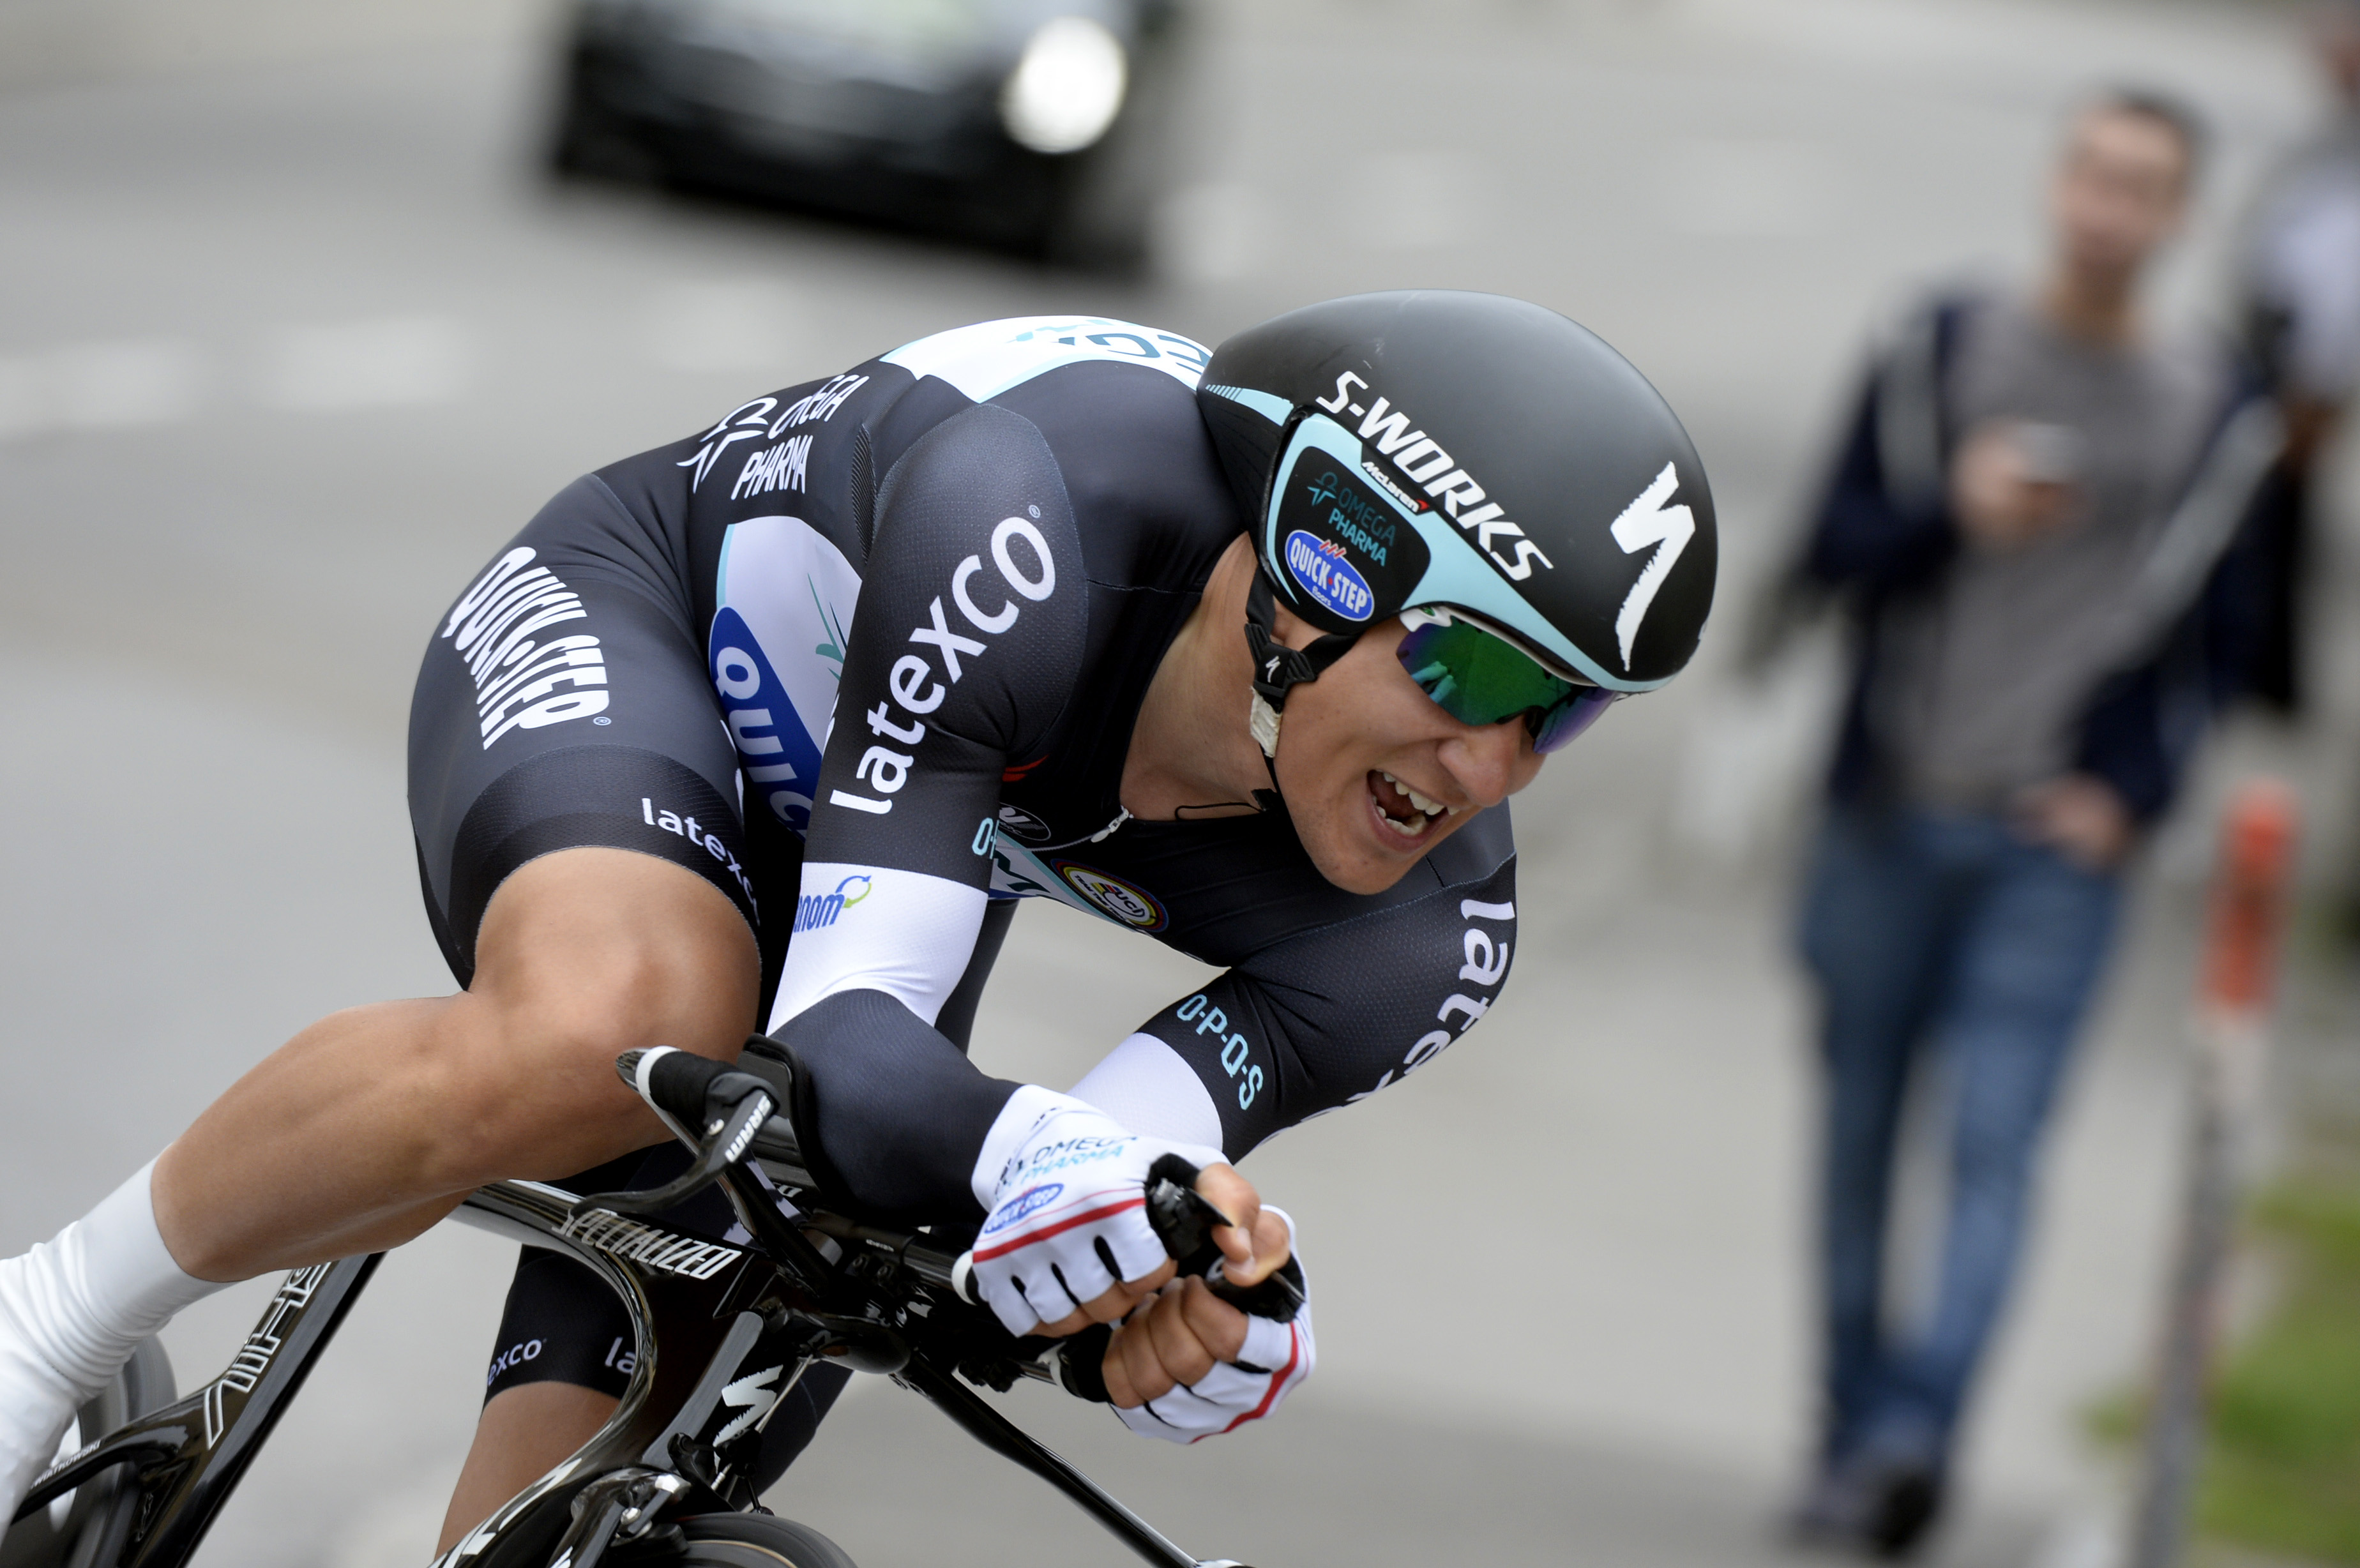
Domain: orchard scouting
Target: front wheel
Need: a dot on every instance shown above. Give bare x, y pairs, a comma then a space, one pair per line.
756, 1541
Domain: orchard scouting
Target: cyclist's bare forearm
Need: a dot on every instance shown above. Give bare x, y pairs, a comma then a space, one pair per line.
372, 1123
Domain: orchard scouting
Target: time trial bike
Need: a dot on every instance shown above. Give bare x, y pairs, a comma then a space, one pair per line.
724, 1332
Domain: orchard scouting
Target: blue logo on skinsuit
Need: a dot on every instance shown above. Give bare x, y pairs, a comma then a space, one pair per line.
774, 751
816, 910
1024, 1206
1328, 577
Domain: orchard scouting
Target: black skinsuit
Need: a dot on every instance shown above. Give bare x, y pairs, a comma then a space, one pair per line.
1022, 515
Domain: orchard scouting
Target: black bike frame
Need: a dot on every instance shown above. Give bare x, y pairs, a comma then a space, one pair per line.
696, 1340
188, 1456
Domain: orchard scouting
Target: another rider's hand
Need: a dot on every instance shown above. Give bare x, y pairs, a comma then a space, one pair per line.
1187, 1364
1068, 1242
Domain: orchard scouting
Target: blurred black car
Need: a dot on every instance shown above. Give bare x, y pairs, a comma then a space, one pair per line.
1035, 124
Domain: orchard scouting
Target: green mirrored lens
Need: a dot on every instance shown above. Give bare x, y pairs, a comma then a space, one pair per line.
1559, 728
1477, 679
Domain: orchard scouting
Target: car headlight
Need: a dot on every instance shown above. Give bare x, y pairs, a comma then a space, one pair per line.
1067, 89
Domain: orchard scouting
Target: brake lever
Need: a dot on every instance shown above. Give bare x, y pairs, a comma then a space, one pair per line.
1184, 1220
728, 1142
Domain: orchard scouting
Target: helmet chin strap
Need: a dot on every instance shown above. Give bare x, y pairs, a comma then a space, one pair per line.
1278, 669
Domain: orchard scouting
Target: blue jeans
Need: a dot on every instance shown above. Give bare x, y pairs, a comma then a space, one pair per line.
1946, 932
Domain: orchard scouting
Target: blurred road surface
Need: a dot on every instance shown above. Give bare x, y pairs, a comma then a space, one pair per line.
288, 346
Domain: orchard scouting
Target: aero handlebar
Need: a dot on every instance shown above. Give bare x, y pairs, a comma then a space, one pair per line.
727, 1112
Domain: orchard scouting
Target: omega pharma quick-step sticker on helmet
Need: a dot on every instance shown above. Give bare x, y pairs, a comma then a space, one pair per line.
1345, 542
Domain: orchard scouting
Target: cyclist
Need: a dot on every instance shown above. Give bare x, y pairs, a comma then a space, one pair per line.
772, 729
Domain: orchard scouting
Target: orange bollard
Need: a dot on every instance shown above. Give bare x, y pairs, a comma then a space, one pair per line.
2245, 923
2249, 902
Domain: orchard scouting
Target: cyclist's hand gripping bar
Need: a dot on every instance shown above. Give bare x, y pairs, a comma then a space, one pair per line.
1184, 1221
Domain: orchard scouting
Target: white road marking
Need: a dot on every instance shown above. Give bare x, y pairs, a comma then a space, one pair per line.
390, 361
126, 383
130, 384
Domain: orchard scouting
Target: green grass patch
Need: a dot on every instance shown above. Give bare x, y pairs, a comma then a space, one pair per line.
2282, 1474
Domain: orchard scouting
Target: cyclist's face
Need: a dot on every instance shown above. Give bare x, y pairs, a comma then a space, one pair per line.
1364, 718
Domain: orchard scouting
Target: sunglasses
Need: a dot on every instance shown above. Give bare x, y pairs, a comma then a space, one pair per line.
1478, 677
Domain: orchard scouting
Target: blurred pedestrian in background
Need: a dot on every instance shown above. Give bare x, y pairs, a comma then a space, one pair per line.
2027, 523
2301, 280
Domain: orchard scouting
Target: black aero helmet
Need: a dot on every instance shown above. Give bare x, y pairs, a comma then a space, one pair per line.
1434, 448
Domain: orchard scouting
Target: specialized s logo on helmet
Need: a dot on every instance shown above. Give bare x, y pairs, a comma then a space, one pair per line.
1649, 521
1420, 459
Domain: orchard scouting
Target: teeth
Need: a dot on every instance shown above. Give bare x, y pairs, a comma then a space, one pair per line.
1431, 808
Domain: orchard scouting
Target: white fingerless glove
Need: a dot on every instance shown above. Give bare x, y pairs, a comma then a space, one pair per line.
1276, 1358
1065, 1191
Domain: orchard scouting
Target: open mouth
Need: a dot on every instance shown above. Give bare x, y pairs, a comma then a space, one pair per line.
1406, 814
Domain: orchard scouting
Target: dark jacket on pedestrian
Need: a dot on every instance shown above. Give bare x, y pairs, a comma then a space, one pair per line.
1886, 543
